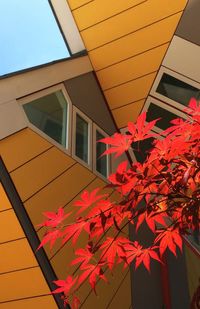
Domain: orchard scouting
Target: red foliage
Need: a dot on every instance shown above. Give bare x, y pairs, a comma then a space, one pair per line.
163, 191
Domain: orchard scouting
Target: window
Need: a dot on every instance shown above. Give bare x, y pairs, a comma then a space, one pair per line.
101, 163
177, 90
82, 137
156, 109
49, 112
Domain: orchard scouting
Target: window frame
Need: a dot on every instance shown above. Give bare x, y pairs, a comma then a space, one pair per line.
39, 94
95, 129
164, 106
89, 121
178, 76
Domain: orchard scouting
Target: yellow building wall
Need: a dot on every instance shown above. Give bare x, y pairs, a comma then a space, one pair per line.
126, 41
21, 279
46, 178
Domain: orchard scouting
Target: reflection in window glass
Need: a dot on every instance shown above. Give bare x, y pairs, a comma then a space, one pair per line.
155, 111
177, 90
101, 162
141, 149
82, 137
49, 114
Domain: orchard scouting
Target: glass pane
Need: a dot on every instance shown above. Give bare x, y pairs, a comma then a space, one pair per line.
141, 149
29, 35
155, 111
177, 90
101, 162
81, 138
49, 114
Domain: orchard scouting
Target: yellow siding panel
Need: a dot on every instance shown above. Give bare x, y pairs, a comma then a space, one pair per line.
76, 3
99, 10
59, 192
130, 21
97, 183
119, 301
44, 302
9, 226
16, 255
21, 147
130, 92
21, 284
134, 44
132, 68
127, 113
38, 172
4, 201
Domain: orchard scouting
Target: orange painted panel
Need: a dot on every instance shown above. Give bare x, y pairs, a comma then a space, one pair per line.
135, 43
40, 171
21, 284
105, 291
119, 301
16, 255
131, 20
99, 10
21, 147
43, 302
127, 113
130, 92
132, 68
76, 3
10, 228
4, 201
59, 192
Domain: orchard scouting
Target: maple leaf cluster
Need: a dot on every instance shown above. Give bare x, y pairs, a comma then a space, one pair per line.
162, 192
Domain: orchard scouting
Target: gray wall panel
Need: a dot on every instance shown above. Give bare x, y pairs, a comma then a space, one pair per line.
86, 95
178, 281
146, 288
189, 24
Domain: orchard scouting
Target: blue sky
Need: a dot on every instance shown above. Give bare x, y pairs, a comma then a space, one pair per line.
29, 35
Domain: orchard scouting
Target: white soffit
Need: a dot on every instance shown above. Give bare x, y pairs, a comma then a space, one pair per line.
23, 84
183, 57
11, 119
68, 25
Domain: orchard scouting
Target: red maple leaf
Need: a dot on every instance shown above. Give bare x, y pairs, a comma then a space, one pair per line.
93, 272
54, 218
119, 144
139, 131
74, 230
64, 285
87, 199
84, 256
112, 248
141, 255
151, 220
50, 236
169, 239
